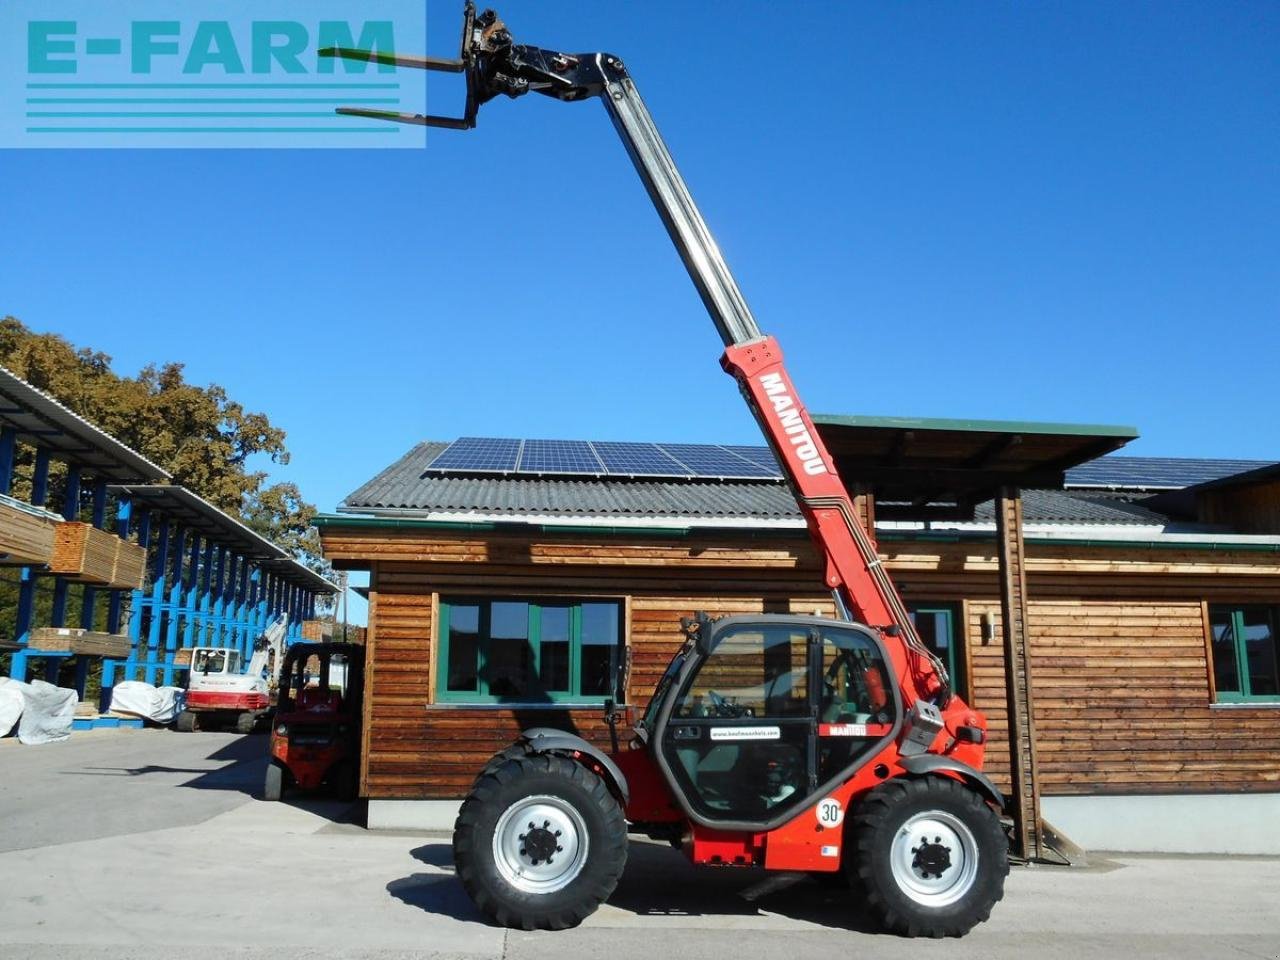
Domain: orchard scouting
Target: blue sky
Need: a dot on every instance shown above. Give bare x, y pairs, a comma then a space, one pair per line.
1052, 211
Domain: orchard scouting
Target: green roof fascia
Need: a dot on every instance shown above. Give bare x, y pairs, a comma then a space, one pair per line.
977, 426
332, 521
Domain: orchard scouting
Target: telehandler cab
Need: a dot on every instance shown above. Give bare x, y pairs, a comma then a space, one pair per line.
790, 743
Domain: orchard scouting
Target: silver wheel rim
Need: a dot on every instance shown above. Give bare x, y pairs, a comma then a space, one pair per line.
934, 858
540, 844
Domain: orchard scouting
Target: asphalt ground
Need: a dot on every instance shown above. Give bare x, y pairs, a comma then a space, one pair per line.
151, 844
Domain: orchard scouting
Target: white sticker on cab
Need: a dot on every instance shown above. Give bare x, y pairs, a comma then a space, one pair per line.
746, 733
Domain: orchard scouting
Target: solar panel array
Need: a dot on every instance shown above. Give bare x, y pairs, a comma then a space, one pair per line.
1155, 473
606, 458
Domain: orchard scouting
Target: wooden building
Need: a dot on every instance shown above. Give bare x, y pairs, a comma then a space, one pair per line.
503, 601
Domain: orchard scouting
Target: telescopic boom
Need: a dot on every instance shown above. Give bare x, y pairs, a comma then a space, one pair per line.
493, 65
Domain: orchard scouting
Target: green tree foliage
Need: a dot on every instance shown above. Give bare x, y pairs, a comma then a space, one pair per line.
198, 434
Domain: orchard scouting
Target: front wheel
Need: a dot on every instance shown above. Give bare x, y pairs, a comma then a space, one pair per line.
931, 857
273, 784
540, 842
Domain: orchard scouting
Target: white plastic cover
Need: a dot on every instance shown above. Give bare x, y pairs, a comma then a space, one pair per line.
159, 704
10, 708
47, 711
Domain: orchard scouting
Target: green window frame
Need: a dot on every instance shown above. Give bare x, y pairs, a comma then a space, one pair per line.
579, 625
944, 621
1244, 652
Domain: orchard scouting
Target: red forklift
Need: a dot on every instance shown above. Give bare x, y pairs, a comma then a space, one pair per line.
315, 740
796, 744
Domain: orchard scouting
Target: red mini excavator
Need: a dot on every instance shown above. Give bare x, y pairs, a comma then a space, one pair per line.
790, 743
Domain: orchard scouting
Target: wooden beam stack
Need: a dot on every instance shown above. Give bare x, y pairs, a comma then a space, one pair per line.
83, 553
26, 535
130, 566
85, 642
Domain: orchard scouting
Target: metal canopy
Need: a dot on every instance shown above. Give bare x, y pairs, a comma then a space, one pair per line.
45, 422
922, 469
196, 513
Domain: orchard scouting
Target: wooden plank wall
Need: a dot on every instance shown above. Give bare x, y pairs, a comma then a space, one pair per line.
1117, 645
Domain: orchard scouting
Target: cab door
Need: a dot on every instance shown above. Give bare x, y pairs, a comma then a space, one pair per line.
740, 733
775, 712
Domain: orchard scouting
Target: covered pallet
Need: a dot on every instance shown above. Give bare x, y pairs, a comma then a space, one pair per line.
78, 641
86, 554
26, 533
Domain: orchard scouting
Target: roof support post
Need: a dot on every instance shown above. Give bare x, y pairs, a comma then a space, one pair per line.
191, 594
28, 575
1027, 834
155, 605
213, 598
173, 602
124, 507
89, 597
137, 600
70, 511
236, 638
8, 449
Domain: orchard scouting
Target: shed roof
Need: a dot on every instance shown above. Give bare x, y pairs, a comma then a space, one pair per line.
196, 513
944, 468
406, 488
44, 421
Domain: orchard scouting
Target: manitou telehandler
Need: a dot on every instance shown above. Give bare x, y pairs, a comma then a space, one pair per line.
789, 743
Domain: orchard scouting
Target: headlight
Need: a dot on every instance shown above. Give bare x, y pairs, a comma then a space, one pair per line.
282, 729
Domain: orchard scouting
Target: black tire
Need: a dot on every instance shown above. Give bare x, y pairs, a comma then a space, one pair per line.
498, 759
875, 829
187, 722
273, 783
499, 793
246, 722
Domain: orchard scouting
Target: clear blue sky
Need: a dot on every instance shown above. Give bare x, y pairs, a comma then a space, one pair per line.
1051, 211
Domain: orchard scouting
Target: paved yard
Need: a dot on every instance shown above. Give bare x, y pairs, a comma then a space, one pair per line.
149, 845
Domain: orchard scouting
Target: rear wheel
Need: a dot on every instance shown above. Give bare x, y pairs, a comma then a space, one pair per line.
187, 722
931, 857
273, 784
246, 722
540, 842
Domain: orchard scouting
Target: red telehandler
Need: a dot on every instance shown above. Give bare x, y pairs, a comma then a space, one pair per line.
790, 743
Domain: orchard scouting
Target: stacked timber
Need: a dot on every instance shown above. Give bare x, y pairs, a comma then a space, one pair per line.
317, 631
26, 533
84, 553
84, 642
130, 566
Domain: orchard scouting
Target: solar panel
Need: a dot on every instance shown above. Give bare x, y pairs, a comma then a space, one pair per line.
760, 456
558, 456
1155, 472
605, 458
637, 459
482, 454
705, 460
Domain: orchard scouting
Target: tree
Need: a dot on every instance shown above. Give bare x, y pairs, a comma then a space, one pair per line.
198, 434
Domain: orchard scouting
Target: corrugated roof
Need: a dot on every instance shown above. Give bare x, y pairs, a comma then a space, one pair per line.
1155, 473
40, 418
405, 488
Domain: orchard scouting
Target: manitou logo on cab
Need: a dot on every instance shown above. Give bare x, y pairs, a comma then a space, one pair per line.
793, 424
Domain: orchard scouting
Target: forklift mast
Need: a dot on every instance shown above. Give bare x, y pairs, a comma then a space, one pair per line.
494, 64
